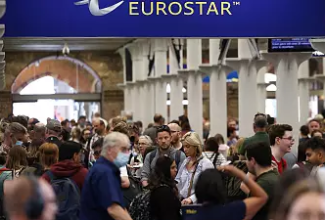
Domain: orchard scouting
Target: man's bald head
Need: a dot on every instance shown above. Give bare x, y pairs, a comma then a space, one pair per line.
174, 127
19, 192
175, 130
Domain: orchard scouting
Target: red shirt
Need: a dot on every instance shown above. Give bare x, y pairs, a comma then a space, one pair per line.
282, 165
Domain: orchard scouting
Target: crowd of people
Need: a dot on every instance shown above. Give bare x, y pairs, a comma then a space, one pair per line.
120, 170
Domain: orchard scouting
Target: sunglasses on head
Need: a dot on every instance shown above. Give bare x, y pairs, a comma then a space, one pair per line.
188, 134
163, 128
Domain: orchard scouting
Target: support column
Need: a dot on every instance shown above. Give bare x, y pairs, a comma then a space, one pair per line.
127, 100
151, 85
176, 97
261, 90
218, 90
286, 68
160, 69
194, 85
136, 53
247, 90
303, 91
143, 101
247, 69
176, 86
127, 90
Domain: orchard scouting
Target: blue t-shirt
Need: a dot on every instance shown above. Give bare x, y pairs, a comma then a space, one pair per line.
102, 188
231, 211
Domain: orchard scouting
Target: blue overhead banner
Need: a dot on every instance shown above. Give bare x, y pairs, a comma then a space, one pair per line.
165, 18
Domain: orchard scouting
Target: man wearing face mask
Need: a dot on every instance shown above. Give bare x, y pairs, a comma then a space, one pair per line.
82, 122
15, 134
102, 197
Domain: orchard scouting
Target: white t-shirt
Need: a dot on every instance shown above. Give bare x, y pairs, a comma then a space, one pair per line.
124, 172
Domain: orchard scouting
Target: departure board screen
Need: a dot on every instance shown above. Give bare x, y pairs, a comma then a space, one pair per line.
290, 45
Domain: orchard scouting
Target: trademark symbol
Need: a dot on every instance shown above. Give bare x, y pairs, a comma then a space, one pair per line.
236, 3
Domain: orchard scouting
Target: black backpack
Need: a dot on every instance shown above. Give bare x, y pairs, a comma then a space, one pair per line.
68, 197
233, 183
134, 189
140, 206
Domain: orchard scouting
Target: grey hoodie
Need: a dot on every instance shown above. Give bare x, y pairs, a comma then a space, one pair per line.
147, 167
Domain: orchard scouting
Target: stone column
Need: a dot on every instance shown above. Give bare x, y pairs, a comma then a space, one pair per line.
261, 90
303, 91
127, 90
176, 86
160, 66
194, 84
247, 89
150, 98
143, 100
286, 68
136, 53
218, 90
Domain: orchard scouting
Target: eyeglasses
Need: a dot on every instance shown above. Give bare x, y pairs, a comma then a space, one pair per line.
289, 138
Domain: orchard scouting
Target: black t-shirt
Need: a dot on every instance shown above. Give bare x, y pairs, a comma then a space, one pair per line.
267, 182
164, 204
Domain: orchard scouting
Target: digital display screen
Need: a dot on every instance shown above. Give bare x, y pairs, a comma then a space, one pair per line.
289, 45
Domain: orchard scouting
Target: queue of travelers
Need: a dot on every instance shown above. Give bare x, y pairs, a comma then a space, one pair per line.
117, 169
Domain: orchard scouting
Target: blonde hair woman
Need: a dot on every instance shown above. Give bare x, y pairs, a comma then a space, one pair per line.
294, 204
191, 168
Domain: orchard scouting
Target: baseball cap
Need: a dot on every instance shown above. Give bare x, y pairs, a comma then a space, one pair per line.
54, 125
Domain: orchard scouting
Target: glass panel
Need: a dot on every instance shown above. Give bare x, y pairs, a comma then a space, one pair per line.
59, 109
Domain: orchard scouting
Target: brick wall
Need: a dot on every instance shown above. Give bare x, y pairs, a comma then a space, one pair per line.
107, 65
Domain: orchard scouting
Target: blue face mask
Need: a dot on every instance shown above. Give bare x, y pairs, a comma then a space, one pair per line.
122, 159
19, 143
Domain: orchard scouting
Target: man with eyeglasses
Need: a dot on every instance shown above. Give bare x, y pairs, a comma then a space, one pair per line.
281, 140
176, 136
164, 148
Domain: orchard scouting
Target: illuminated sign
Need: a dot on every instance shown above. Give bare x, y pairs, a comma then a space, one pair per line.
94, 7
165, 18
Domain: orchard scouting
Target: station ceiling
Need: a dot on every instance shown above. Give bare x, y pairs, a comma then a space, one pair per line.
83, 44
56, 44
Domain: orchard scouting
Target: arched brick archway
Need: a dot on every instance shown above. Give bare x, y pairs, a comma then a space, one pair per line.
74, 72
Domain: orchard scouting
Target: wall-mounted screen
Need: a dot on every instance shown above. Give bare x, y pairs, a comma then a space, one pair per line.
289, 45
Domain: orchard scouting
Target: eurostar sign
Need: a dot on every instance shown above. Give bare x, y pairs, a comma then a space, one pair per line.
165, 18
163, 8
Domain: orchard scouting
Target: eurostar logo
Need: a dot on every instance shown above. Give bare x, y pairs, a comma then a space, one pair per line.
94, 7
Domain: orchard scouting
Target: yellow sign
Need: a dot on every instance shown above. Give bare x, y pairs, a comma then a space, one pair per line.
176, 8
